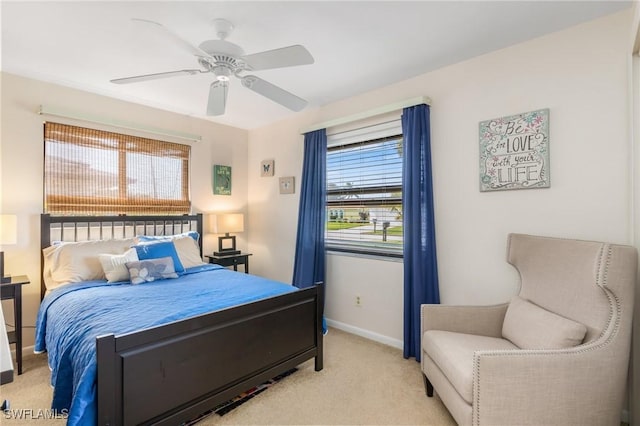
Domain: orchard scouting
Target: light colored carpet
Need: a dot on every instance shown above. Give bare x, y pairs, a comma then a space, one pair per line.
362, 383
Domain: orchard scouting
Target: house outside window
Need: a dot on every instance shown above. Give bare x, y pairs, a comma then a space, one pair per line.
364, 191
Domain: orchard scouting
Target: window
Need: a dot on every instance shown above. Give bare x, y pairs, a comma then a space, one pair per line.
364, 191
95, 172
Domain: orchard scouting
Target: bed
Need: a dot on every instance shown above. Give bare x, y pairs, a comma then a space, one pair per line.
203, 344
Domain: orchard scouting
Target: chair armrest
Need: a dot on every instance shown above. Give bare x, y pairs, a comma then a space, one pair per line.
480, 320
537, 386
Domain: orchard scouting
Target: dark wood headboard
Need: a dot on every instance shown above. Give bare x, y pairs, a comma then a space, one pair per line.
87, 228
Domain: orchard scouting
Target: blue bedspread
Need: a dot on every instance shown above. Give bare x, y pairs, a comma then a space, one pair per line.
71, 317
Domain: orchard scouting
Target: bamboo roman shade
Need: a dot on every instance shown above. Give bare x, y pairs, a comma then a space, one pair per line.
95, 172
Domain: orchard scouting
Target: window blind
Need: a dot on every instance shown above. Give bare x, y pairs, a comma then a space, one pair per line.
364, 192
95, 172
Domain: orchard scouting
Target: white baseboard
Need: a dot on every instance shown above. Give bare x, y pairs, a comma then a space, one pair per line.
386, 340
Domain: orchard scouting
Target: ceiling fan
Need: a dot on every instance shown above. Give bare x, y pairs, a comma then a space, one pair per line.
225, 59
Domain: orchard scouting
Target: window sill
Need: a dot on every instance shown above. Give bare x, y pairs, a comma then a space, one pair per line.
386, 257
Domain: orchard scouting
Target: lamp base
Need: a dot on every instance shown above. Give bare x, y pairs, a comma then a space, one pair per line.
226, 253
3, 278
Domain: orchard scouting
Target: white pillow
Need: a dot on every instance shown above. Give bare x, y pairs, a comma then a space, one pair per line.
188, 251
114, 265
529, 326
75, 262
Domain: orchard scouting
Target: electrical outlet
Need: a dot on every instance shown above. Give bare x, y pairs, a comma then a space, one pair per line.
358, 301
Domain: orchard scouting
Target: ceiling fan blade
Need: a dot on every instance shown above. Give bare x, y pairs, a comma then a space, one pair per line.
145, 77
184, 44
279, 58
217, 97
275, 93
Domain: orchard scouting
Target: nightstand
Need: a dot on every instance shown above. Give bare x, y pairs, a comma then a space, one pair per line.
232, 260
13, 290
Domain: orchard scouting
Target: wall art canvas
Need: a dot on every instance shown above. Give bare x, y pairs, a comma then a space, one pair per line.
287, 185
221, 180
514, 152
267, 168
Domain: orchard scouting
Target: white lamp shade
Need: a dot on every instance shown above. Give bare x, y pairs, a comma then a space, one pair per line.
224, 223
8, 229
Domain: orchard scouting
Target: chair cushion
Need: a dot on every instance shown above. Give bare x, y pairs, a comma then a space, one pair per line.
529, 326
453, 354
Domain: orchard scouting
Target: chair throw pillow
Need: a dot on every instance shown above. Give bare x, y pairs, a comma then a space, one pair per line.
145, 271
529, 326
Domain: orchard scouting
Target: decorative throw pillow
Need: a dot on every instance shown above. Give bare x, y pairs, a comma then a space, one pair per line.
529, 326
114, 265
186, 245
150, 270
156, 250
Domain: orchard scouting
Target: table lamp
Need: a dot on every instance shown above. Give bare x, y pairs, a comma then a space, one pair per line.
224, 224
8, 235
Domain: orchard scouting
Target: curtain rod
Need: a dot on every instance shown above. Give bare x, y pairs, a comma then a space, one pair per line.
52, 111
367, 114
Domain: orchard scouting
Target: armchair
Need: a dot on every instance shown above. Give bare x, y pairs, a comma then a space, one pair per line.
558, 353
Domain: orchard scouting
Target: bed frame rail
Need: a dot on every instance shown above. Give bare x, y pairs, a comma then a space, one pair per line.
171, 374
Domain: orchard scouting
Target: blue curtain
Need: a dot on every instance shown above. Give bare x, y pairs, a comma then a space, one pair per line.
309, 263
420, 263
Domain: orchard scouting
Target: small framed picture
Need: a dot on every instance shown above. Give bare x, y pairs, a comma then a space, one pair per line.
267, 168
221, 180
287, 185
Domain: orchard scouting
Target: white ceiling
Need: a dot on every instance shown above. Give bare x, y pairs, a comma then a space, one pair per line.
357, 46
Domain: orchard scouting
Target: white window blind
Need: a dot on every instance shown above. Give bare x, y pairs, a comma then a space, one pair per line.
95, 172
364, 190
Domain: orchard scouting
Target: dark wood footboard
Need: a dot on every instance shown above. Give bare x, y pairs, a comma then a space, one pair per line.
173, 373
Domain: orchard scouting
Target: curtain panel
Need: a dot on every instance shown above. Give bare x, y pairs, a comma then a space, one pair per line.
420, 261
309, 264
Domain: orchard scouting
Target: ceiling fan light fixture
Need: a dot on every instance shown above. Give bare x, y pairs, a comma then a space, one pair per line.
222, 73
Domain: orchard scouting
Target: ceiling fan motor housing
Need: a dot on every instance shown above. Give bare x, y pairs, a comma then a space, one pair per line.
221, 47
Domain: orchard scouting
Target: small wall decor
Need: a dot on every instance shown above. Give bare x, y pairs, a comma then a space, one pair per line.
267, 168
221, 180
514, 152
287, 185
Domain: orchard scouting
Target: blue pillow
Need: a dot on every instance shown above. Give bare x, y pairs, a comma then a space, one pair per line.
192, 234
157, 250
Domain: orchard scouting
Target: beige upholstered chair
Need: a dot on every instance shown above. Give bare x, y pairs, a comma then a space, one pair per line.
558, 353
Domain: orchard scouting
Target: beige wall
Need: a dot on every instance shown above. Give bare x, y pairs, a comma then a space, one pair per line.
21, 156
580, 74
